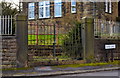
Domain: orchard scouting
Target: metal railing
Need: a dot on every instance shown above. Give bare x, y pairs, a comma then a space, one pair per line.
47, 41
105, 29
6, 25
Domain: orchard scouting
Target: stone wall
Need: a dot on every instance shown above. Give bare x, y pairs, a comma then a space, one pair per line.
9, 50
101, 14
100, 51
114, 14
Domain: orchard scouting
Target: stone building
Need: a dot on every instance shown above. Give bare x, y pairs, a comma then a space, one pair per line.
63, 12
43, 15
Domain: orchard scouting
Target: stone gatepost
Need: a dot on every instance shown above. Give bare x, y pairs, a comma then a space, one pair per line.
22, 39
88, 38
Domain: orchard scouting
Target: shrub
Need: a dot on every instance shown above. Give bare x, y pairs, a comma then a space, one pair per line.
72, 41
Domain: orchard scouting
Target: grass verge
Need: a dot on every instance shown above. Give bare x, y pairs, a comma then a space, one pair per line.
23, 68
90, 64
115, 63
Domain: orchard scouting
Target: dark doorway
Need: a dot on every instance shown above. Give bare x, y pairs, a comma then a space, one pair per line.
119, 8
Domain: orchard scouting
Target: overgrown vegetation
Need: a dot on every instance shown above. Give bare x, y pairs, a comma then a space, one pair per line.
114, 63
49, 58
72, 41
24, 68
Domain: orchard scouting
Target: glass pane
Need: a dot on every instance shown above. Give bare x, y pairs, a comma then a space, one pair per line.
31, 14
47, 3
106, 6
110, 7
41, 3
58, 8
41, 12
73, 2
74, 9
47, 11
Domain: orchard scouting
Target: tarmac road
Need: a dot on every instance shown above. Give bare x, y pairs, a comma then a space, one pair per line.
102, 74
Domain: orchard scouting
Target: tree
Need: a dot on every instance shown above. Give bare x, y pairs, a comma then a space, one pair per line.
8, 9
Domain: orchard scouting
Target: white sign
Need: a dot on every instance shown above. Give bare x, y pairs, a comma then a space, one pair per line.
110, 46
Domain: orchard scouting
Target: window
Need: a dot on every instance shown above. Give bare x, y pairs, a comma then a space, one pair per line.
57, 8
108, 6
73, 6
44, 9
119, 8
20, 6
31, 11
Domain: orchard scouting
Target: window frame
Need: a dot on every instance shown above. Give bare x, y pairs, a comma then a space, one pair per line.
56, 4
108, 6
44, 9
72, 5
32, 4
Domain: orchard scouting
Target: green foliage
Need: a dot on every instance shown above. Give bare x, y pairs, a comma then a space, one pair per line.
90, 59
7, 9
24, 68
72, 41
114, 63
49, 58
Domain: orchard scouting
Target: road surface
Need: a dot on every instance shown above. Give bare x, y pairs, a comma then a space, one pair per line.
102, 74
